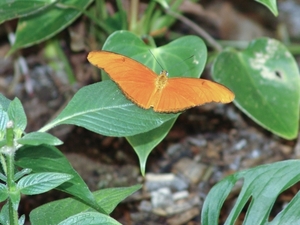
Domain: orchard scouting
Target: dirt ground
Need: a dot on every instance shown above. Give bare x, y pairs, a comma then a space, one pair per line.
206, 143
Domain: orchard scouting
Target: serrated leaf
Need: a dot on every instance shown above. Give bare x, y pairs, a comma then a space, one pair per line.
45, 158
21, 220
4, 214
89, 218
3, 123
21, 173
43, 25
4, 103
265, 80
38, 183
11, 9
38, 138
56, 211
261, 186
17, 114
103, 109
271, 5
3, 192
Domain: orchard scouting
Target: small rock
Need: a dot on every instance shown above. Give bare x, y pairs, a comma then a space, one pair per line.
157, 181
190, 169
161, 198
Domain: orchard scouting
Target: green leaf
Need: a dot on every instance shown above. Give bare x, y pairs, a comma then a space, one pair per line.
109, 198
4, 103
89, 218
11, 9
17, 115
38, 138
38, 183
21, 173
21, 220
184, 57
265, 80
261, 187
46, 158
144, 143
45, 24
4, 214
3, 124
3, 192
271, 5
102, 108
56, 211
290, 214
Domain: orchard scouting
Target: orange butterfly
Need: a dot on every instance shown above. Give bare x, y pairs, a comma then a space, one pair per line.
147, 89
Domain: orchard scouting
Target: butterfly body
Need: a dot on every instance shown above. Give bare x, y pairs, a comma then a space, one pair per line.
147, 89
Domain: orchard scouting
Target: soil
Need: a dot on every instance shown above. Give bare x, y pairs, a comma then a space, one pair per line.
206, 144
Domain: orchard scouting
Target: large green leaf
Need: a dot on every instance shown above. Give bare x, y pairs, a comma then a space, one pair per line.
184, 57
261, 186
45, 24
57, 211
144, 143
265, 80
19, 8
102, 108
46, 158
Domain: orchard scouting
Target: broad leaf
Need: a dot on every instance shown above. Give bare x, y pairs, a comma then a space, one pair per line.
184, 57
261, 187
102, 108
19, 8
56, 211
265, 80
45, 24
144, 143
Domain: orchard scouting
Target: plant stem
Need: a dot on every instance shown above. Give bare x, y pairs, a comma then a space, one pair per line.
134, 5
10, 154
210, 40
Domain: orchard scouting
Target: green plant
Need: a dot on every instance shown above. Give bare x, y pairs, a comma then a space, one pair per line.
264, 78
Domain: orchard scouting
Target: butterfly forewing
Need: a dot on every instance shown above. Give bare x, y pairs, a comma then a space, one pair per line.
133, 78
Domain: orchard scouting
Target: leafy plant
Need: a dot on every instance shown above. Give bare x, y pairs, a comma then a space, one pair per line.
264, 78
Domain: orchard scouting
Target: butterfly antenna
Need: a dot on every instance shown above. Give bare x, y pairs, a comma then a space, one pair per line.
156, 60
